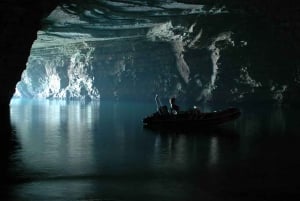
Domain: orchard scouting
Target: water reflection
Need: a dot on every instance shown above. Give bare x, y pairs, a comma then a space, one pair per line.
170, 152
102, 151
55, 136
213, 151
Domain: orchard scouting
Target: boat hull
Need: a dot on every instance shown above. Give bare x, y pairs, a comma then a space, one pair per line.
192, 119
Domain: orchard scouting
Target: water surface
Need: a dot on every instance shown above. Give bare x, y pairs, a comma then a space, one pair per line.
100, 151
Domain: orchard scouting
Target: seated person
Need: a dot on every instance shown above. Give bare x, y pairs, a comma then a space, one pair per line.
196, 112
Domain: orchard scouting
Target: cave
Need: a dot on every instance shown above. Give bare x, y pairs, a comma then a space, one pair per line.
221, 52
208, 52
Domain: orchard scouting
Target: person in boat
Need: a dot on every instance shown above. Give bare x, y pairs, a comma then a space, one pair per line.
195, 113
161, 109
174, 108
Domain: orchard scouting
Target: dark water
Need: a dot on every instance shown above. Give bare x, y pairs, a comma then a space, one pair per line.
93, 151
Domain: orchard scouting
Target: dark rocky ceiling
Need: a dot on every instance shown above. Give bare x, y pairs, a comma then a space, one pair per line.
103, 20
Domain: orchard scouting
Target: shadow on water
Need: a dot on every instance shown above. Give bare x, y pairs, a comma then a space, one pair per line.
218, 131
257, 158
9, 144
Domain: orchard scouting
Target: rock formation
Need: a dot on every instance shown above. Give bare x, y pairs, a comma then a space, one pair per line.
200, 51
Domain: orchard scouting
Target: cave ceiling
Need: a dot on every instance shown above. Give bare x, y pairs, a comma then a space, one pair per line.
195, 50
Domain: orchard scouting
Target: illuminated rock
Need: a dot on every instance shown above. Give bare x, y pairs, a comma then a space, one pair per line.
134, 50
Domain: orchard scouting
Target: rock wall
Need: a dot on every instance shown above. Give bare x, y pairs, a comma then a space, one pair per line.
22, 20
19, 21
211, 53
